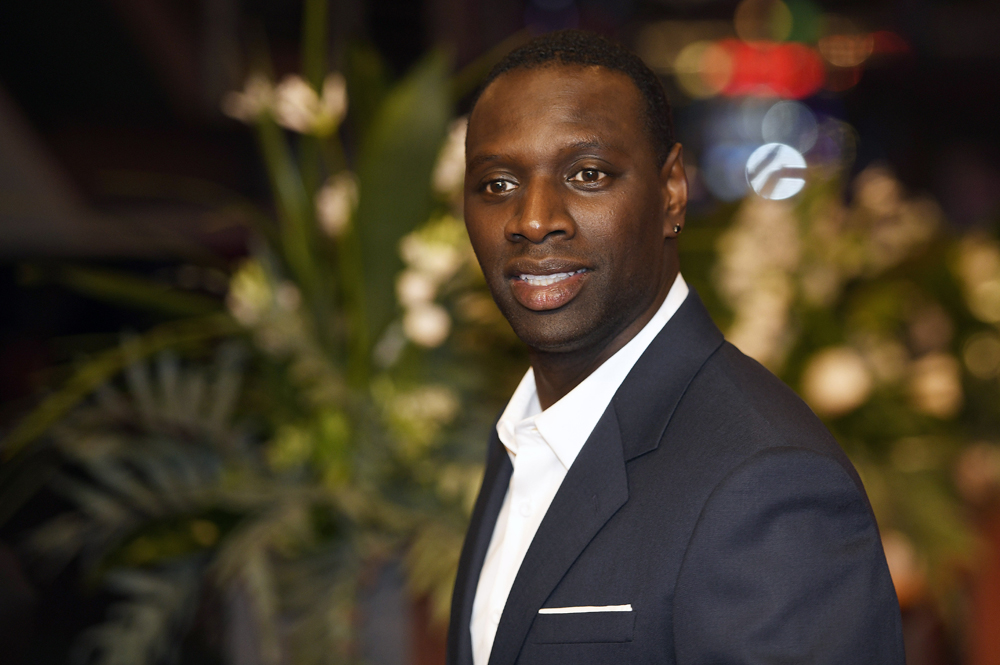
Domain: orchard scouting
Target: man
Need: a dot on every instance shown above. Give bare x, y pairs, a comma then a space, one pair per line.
651, 494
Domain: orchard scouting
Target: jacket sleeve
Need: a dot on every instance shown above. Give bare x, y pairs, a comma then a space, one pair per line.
785, 565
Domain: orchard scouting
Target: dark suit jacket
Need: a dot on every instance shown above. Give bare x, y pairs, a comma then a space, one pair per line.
711, 499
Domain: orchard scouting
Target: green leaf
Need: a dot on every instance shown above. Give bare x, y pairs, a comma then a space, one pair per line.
97, 370
395, 167
367, 86
294, 207
314, 30
127, 289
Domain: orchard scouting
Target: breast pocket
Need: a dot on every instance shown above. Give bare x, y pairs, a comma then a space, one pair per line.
589, 627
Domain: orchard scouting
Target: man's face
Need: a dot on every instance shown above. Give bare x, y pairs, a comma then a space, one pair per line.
565, 205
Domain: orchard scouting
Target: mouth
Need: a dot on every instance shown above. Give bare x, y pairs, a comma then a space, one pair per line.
542, 287
546, 280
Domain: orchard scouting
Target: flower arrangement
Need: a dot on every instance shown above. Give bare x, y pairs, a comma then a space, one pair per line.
884, 320
263, 455
266, 455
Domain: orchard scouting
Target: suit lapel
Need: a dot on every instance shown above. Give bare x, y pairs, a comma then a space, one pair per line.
594, 489
647, 398
477, 540
596, 485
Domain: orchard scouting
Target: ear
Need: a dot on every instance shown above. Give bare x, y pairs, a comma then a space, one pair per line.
673, 182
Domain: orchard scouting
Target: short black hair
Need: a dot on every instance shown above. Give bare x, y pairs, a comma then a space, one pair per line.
578, 47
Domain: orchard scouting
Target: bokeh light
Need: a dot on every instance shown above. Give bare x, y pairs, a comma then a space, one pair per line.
981, 354
776, 171
846, 50
791, 123
762, 20
660, 43
836, 381
842, 43
703, 69
791, 70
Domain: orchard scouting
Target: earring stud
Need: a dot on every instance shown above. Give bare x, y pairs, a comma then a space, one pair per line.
677, 229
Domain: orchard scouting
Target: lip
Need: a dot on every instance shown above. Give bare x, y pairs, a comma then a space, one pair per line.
544, 297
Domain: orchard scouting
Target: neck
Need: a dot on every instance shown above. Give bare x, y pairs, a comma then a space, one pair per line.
558, 372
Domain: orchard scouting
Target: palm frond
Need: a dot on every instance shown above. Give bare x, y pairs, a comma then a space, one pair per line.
98, 370
147, 627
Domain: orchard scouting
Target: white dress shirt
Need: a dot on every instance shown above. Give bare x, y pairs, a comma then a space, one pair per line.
542, 446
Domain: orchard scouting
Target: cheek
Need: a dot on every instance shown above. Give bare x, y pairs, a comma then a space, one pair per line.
484, 240
629, 236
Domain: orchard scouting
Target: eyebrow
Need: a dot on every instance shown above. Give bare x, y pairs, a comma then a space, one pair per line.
475, 162
592, 144
583, 145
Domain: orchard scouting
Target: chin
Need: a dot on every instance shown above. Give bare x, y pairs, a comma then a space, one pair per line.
559, 331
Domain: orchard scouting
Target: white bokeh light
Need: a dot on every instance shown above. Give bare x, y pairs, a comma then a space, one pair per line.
776, 171
791, 123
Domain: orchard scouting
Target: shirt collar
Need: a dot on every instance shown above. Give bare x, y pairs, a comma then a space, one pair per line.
522, 407
566, 425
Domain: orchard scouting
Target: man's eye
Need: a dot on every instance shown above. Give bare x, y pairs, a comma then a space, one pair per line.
589, 175
499, 186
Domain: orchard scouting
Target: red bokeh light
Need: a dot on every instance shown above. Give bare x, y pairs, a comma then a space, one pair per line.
790, 70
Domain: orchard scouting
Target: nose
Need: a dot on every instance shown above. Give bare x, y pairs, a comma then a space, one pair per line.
541, 214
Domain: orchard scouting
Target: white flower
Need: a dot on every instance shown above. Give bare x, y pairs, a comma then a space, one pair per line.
249, 296
298, 107
757, 257
335, 203
936, 385
427, 325
449, 172
414, 288
978, 266
256, 98
334, 100
978, 259
436, 404
876, 189
764, 239
437, 260
287, 297
836, 381
760, 331
984, 300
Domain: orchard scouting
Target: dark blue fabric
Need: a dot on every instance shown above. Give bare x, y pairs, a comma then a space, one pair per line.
712, 500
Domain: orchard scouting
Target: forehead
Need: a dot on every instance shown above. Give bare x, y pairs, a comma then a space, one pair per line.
585, 99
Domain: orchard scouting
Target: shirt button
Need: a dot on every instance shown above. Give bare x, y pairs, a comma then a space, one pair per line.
524, 508
495, 617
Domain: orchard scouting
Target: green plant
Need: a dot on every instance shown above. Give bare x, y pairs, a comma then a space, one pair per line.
265, 454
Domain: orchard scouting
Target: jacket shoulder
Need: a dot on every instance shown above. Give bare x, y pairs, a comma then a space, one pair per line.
736, 408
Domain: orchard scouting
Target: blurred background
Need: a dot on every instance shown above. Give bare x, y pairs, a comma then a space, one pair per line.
248, 363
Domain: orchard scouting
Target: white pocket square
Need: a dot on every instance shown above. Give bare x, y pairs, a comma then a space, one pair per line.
581, 609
